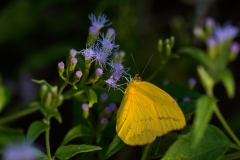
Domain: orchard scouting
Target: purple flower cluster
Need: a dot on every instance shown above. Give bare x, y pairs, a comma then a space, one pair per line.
101, 51
220, 33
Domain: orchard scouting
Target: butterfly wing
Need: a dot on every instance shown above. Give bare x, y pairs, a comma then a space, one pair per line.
169, 115
135, 123
146, 112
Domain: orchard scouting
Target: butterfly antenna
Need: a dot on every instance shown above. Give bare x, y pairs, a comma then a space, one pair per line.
135, 64
146, 65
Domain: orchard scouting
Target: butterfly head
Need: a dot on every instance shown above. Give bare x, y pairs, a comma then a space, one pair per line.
137, 77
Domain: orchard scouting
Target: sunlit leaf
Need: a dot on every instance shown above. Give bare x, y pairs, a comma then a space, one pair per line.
204, 111
227, 79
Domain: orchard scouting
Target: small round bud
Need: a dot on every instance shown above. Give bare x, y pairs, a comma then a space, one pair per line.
74, 61
61, 65
104, 120
234, 48
73, 52
85, 107
113, 106
186, 99
99, 71
211, 42
111, 31
107, 110
104, 96
192, 81
78, 74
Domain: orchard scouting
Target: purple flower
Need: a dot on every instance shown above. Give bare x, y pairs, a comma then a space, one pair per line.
73, 52
99, 22
108, 110
104, 96
186, 99
92, 29
85, 106
235, 47
104, 120
211, 42
60, 65
78, 74
99, 71
116, 76
111, 82
108, 42
110, 32
20, 151
192, 81
74, 61
88, 53
225, 32
100, 57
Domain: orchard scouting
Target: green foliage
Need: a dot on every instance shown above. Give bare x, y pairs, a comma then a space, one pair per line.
212, 146
35, 129
68, 151
115, 146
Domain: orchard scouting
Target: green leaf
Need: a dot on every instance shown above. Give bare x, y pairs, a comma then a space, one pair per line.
57, 116
35, 129
213, 145
5, 95
68, 151
77, 131
10, 135
227, 79
197, 54
92, 96
115, 146
204, 111
188, 107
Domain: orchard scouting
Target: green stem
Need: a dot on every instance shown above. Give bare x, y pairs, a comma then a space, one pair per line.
48, 141
235, 155
62, 87
226, 126
18, 114
145, 151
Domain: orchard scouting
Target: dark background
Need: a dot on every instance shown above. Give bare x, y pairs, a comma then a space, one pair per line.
36, 35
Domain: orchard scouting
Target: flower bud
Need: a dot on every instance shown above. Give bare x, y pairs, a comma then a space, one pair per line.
60, 68
78, 76
73, 62
104, 96
160, 45
43, 91
48, 100
73, 53
234, 50
199, 33
85, 109
59, 100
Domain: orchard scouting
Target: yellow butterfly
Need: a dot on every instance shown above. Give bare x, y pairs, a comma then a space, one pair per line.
146, 112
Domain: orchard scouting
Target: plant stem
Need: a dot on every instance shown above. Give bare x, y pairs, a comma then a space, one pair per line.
47, 140
225, 125
62, 87
145, 151
18, 114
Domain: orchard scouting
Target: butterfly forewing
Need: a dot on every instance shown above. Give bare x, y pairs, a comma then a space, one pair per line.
136, 120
